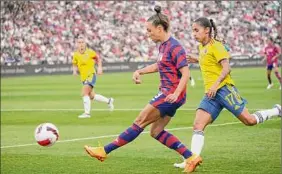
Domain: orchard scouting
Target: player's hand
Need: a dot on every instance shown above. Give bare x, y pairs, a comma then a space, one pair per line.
212, 91
136, 77
99, 71
74, 73
191, 59
171, 98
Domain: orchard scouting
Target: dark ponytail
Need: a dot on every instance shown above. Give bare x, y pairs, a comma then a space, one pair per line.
159, 19
214, 29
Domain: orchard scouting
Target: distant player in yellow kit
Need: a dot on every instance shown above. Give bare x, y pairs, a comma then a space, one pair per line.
84, 61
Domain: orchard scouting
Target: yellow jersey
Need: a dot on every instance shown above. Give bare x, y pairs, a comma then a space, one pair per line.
85, 63
209, 57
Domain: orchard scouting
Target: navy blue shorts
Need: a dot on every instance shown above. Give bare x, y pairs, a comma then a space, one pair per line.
91, 80
270, 67
226, 97
166, 108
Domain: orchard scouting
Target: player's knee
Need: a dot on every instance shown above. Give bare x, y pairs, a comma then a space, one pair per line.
141, 122
198, 126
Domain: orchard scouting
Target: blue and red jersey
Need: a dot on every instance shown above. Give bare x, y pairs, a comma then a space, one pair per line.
172, 57
271, 51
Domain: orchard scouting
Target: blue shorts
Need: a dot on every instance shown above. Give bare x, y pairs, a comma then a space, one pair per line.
226, 97
270, 67
91, 80
166, 108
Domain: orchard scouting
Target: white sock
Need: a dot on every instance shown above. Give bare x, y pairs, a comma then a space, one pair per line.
86, 104
101, 98
197, 143
264, 115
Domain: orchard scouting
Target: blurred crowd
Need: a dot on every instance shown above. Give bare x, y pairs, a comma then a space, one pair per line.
37, 32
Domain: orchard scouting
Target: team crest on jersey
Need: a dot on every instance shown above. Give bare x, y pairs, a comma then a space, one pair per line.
204, 51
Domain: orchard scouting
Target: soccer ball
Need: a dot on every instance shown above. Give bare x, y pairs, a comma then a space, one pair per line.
46, 134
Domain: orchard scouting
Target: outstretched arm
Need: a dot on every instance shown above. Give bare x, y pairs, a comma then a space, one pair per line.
148, 69
192, 59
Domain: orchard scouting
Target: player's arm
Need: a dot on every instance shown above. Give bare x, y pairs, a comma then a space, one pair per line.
148, 69
99, 63
74, 66
192, 58
224, 72
171, 98
277, 55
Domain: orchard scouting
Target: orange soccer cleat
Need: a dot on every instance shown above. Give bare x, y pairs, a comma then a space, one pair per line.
192, 163
96, 152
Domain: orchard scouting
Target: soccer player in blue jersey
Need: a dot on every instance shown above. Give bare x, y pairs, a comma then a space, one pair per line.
174, 74
220, 90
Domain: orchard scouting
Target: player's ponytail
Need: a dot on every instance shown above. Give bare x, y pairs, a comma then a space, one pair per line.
159, 19
213, 27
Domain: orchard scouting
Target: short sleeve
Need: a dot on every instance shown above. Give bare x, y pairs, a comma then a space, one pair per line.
220, 52
179, 57
93, 54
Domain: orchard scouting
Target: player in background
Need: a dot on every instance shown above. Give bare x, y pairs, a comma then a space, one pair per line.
174, 74
272, 53
220, 90
84, 60
192, 80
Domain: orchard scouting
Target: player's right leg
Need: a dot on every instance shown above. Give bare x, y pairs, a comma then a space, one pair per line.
147, 116
268, 73
86, 90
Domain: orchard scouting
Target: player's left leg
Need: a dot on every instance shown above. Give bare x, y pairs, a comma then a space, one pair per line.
232, 101
99, 97
147, 116
277, 73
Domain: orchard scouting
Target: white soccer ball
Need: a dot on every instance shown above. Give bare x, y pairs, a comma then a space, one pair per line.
46, 134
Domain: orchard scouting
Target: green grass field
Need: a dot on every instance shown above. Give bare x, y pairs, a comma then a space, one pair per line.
230, 147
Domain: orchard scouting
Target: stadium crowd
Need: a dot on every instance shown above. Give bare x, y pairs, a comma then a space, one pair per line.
36, 32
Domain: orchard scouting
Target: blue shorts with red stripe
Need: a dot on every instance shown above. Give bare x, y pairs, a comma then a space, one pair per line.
165, 108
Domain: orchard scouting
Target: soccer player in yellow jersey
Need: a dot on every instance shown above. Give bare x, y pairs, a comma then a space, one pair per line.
84, 60
220, 90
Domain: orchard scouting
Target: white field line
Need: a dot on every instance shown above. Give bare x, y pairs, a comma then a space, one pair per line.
133, 109
112, 136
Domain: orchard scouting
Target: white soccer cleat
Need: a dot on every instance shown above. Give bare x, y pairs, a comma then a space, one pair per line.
84, 115
269, 86
180, 165
111, 104
279, 109
192, 82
